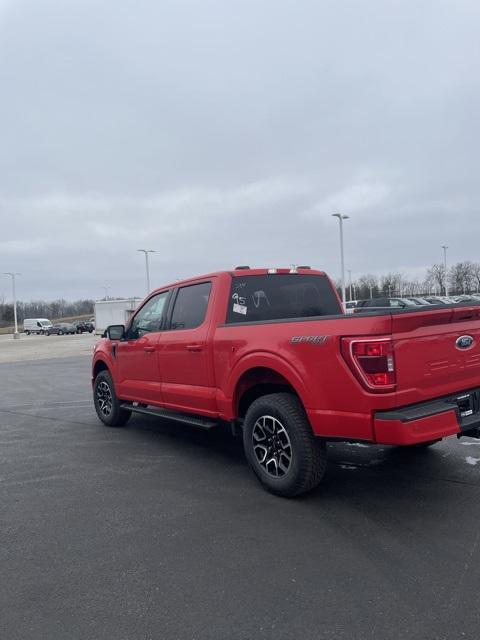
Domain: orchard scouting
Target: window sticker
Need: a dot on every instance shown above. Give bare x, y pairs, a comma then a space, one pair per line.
239, 308
239, 304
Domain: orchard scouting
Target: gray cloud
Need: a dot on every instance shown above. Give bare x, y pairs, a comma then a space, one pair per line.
220, 133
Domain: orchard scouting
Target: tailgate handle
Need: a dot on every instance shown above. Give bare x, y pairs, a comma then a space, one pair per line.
149, 349
194, 347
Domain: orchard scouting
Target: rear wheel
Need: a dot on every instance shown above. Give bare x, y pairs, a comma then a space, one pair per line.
47, 333
27, 333
107, 405
280, 446
60, 333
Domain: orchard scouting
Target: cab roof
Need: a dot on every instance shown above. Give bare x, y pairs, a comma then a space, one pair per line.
244, 271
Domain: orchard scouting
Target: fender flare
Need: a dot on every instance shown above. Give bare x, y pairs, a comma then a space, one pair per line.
101, 357
265, 360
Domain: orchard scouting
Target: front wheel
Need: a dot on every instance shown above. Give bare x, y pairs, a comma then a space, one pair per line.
47, 333
107, 405
280, 446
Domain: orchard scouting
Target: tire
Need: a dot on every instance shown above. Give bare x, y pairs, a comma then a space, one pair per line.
27, 333
47, 333
42, 333
107, 405
297, 459
60, 333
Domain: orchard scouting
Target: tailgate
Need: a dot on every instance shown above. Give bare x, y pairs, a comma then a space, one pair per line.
430, 359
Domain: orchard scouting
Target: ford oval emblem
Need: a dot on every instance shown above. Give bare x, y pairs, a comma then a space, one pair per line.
464, 342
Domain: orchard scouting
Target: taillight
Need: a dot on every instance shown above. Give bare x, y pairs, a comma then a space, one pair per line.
372, 362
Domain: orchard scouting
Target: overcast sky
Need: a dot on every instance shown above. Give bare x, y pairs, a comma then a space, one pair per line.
225, 132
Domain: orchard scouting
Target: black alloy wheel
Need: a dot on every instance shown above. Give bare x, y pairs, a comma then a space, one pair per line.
280, 446
272, 446
107, 405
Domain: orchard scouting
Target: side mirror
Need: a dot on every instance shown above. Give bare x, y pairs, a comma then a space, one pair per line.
115, 332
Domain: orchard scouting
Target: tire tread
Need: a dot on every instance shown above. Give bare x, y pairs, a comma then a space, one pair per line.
119, 417
313, 459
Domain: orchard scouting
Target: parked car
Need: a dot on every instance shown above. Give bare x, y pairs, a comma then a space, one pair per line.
61, 328
468, 297
440, 300
384, 303
271, 354
350, 305
83, 326
36, 325
420, 301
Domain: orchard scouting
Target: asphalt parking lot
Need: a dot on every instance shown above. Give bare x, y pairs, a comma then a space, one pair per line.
36, 347
159, 531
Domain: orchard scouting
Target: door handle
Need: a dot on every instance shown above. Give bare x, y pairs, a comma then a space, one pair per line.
194, 347
149, 349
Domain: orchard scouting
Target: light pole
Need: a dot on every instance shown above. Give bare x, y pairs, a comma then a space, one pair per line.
341, 217
350, 283
146, 252
445, 247
106, 289
12, 274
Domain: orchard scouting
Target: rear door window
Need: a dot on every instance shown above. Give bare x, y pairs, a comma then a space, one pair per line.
280, 296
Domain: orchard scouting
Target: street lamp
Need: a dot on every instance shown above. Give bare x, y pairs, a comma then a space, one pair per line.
16, 335
146, 252
445, 247
341, 217
106, 289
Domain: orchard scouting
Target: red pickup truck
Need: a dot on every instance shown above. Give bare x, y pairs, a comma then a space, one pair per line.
271, 352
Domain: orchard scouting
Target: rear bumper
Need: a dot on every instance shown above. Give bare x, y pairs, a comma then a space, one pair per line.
453, 415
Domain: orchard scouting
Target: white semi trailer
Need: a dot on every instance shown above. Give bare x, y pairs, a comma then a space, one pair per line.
109, 312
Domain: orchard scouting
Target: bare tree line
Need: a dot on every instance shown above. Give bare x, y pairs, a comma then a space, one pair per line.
462, 278
42, 309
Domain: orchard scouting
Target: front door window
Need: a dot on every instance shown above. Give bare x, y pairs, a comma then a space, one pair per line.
150, 318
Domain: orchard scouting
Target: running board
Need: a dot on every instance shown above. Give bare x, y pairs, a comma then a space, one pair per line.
192, 421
